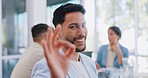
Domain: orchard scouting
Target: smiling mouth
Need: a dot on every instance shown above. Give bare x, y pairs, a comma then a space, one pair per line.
79, 41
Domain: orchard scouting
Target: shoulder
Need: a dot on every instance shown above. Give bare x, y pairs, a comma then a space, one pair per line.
87, 59
34, 49
40, 64
84, 56
89, 63
40, 69
33, 54
124, 48
36, 46
124, 51
104, 46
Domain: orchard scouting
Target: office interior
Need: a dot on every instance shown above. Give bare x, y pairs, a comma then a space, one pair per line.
131, 16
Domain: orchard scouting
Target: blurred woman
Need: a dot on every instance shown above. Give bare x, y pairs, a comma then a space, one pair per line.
111, 55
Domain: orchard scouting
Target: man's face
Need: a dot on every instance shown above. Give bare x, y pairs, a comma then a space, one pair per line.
74, 30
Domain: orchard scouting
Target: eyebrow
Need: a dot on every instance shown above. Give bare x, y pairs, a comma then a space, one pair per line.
73, 24
76, 23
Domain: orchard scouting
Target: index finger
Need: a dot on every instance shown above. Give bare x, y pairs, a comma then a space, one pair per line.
70, 47
56, 33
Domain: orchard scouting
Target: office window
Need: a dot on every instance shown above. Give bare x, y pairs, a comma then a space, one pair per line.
89, 5
122, 13
15, 33
118, 13
142, 36
15, 29
8, 66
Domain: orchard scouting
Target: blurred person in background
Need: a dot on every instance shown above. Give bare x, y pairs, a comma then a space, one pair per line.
111, 55
32, 54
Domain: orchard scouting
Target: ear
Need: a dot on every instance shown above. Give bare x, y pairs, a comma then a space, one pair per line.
118, 37
60, 35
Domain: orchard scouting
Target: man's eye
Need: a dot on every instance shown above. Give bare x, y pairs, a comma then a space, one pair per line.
84, 26
72, 27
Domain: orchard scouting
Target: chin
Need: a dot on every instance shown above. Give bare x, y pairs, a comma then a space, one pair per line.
80, 50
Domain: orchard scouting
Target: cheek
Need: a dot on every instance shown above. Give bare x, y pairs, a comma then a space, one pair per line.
116, 37
86, 32
110, 37
113, 38
69, 36
71, 33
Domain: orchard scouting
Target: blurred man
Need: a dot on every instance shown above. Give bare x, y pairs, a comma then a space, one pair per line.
70, 18
32, 54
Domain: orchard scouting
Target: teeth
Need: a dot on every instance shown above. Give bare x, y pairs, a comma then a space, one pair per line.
80, 40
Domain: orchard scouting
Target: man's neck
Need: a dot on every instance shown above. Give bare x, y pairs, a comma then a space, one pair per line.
37, 40
76, 56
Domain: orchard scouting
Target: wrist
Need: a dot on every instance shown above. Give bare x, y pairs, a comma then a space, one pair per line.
118, 50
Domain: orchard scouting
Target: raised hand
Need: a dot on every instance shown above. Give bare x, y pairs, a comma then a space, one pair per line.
58, 63
115, 48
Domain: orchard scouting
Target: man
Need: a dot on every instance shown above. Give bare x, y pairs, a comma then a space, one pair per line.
70, 18
32, 54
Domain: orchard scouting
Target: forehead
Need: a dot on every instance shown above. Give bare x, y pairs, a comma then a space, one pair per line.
74, 17
110, 31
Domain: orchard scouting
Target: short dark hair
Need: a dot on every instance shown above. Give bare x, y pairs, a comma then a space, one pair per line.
116, 30
60, 12
39, 29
